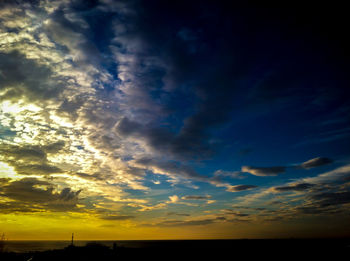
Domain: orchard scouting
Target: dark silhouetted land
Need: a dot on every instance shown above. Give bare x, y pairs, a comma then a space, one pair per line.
276, 249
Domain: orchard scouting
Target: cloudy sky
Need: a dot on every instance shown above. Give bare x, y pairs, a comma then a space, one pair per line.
172, 119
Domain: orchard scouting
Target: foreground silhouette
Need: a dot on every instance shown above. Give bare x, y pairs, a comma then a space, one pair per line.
284, 249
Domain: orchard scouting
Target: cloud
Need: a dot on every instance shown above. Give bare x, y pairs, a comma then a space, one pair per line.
231, 174
30, 159
12, 207
36, 169
316, 162
178, 214
24, 153
4, 180
325, 203
171, 168
117, 217
264, 171
54, 147
143, 207
325, 194
26, 190
174, 199
276, 170
196, 197
235, 213
185, 223
39, 194
176, 170
332, 198
67, 194
53, 85
239, 188
161, 140
181, 75
294, 187
26, 79
317, 210
337, 175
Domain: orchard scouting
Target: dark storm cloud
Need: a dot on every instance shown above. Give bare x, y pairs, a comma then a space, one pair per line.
316, 162
264, 171
294, 187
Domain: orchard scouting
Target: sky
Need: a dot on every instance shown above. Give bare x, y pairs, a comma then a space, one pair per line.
173, 120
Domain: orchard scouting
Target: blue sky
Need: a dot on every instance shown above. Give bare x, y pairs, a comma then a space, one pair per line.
157, 119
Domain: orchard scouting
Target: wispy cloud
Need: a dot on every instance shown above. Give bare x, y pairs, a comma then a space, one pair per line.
277, 170
294, 187
117, 217
264, 171
324, 194
316, 162
196, 197
238, 188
